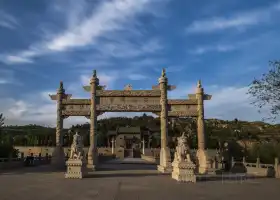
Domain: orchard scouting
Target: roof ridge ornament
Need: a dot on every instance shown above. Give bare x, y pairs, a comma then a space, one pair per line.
163, 73
128, 87
94, 73
61, 85
199, 85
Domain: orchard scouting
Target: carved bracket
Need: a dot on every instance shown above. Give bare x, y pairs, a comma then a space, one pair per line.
64, 96
156, 113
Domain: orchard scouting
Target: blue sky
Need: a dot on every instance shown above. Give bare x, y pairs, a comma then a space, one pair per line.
224, 43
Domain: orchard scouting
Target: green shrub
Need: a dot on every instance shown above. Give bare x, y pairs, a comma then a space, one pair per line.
8, 150
267, 152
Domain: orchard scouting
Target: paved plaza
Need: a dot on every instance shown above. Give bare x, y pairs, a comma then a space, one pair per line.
127, 182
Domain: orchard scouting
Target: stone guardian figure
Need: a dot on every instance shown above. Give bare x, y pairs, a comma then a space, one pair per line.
77, 146
75, 164
183, 167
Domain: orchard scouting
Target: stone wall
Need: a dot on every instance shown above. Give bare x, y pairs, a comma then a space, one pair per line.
49, 150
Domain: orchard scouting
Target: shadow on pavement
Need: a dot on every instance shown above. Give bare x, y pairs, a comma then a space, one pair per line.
112, 175
121, 167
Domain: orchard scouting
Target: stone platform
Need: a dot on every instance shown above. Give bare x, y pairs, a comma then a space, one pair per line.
127, 182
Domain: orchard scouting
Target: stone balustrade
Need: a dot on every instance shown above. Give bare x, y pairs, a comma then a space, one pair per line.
259, 169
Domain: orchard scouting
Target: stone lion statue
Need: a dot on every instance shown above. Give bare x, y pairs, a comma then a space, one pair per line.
182, 150
77, 147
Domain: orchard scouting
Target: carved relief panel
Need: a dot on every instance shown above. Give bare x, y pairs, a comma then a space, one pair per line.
76, 110
129, 100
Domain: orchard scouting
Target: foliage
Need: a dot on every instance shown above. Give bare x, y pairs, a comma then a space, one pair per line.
7, 151
267, 152
217, 131
2, 119
266, 90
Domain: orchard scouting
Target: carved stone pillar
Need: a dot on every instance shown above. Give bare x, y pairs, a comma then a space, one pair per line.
92, 152
165, 160
200, 118
58, 153
201, 152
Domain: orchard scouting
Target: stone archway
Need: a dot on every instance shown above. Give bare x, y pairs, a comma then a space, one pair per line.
129, 100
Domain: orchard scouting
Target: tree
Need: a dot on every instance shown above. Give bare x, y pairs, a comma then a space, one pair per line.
2, 119
266, 90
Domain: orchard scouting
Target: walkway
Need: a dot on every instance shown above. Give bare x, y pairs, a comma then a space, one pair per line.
130, 161
127, 182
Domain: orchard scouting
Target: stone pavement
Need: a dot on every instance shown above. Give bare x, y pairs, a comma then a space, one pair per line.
127, 182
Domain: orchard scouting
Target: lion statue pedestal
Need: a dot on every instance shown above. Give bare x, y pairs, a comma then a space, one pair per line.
183, 167
76, 164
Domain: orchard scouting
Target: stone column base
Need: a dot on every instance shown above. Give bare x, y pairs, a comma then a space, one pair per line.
165, 161
184, 171
277, 171
75, 169
203, 161
92, 160
58, 158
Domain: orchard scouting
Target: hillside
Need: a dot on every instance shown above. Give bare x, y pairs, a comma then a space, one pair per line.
215, 130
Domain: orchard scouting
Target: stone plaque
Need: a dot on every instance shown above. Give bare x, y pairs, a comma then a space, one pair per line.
182, 101
76, 101
189, 108
76, 110
129, 108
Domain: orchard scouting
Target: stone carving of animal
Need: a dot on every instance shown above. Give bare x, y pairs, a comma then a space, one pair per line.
77, 147
182, 150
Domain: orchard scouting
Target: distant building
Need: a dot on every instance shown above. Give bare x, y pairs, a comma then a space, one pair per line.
129, 137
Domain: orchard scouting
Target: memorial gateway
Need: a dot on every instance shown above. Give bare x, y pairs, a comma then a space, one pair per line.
129, 100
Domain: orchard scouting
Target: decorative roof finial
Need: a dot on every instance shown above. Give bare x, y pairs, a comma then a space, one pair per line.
61, 85
94, 73
199, 84
163, 74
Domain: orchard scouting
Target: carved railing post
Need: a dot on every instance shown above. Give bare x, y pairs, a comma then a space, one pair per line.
165, 159
92, 152
244, 161
58, 153
232, 162
258, 162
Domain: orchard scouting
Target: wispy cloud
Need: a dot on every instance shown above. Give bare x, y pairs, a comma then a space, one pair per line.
7, 20
234, 21
126, 49
7, 76
217, 48
84, 30
229, 45
107, 17
137, 77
